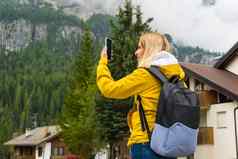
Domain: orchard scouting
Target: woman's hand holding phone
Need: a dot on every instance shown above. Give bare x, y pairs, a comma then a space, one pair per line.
108, 46
107, 50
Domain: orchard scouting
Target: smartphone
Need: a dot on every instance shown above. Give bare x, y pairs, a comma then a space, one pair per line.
108, 45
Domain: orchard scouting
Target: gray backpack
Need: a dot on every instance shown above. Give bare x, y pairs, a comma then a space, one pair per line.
177, 119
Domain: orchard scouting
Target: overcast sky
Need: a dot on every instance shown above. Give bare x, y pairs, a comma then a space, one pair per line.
188, 21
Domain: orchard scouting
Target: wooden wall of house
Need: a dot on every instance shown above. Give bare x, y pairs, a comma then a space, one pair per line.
118, 149
57, 146
24, 152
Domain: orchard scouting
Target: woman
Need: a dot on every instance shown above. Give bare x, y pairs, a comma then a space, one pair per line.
153, 49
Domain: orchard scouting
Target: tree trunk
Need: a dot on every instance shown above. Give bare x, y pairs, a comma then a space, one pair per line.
33, 32
119, 150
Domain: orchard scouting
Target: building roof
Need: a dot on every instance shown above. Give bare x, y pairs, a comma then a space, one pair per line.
222, 63
35, 136
223, 81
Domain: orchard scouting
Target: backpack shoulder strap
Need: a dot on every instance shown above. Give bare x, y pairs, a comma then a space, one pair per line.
143, 120
155, 71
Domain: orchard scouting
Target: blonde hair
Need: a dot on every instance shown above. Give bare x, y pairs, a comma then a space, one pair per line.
152, 43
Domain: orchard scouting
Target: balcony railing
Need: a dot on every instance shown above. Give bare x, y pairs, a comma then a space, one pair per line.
24, 157
205, 136
207, 98
58, 157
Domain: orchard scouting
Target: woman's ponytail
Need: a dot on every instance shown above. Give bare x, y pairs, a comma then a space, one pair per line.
166, 45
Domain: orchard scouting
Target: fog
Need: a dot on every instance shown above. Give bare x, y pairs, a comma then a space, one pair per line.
190, 22
104, 6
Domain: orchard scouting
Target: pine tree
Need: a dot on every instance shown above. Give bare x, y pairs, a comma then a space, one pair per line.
125, 35
79, 124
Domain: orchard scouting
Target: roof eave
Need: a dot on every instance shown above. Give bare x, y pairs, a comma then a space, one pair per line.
32, 144
212, 84
227, 57
9, 144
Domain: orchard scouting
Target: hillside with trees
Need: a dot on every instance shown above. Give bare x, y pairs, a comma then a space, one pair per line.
35, 59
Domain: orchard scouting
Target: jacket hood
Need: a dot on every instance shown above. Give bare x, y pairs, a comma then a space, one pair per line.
168, 64
163, 58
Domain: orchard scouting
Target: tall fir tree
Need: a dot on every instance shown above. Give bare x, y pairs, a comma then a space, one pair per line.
125, 35
79, 123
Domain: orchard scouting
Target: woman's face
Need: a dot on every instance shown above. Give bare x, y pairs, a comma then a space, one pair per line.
139, 52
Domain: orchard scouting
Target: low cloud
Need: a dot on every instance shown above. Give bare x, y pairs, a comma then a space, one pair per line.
212, 27
104, 6
190, 22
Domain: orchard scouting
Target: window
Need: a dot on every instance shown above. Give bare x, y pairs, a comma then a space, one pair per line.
61, 151
223, 99
58, 151
40, 151
209, 2
29, 151
21, 151
55, 151
221, 119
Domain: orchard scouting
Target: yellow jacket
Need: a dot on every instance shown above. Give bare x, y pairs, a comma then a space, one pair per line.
139, 82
